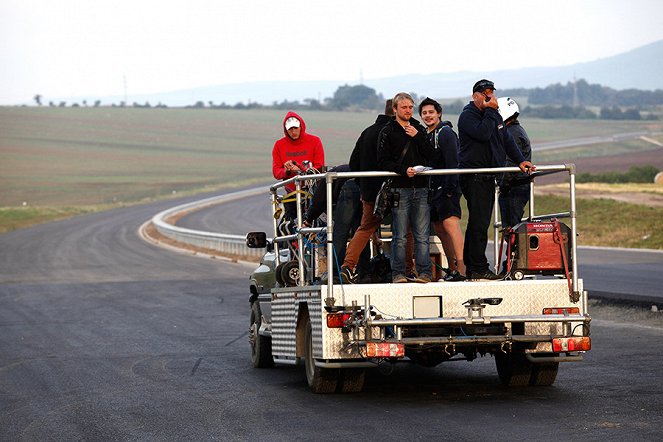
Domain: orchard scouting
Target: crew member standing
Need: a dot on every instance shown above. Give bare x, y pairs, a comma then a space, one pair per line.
484, 142
402, 145
364, 158
445, 205
292, 151
514, 187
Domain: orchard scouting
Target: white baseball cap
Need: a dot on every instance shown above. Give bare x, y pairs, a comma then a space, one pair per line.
292, 122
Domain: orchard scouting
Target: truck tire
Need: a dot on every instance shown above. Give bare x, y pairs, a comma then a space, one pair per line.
261, 346
513, 368
290, 273
277, 275
544, 374
320, 380
351, 380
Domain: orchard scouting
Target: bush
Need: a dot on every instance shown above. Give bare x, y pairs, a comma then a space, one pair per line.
636, 174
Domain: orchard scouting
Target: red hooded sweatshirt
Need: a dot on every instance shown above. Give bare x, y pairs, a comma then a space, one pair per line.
306, 147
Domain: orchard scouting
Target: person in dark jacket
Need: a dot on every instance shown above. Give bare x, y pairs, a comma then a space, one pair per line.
445, 205
514, 187
364, 159
484, 143
402, 145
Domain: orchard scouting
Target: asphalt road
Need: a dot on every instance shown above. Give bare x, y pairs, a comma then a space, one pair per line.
628, 274
106, 337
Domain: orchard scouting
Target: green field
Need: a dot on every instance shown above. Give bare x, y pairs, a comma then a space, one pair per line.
59, 162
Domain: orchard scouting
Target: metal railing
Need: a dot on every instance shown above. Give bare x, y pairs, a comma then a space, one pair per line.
220, 242
236, 244
331, 176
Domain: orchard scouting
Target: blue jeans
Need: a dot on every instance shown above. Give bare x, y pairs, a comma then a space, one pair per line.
413, 210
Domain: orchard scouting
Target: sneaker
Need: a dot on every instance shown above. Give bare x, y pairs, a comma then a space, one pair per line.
485, 276
423, 279
412, 277
348, 276
399, 279
454, 277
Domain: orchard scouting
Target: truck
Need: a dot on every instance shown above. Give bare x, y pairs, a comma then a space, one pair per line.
530, 321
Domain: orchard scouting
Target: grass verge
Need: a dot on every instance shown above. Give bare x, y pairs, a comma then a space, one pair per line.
12, 218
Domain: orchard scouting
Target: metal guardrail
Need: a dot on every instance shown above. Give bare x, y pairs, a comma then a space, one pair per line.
221, 242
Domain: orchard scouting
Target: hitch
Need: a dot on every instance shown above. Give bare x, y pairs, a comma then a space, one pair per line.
475, 307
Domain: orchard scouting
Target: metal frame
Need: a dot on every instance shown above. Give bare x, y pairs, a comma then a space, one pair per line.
331, 176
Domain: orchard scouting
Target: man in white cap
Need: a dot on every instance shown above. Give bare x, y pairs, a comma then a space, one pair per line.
292, 151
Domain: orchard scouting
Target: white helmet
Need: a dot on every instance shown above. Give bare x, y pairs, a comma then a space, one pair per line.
507, 108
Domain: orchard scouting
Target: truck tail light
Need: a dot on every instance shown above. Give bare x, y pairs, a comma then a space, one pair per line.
561, 311
337, 320
384, 350
580, 343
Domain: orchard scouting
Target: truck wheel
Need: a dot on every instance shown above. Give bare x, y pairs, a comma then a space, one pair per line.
544, 374
277, 275
320, 380
261, 346
351, 380
290, 273
513, 368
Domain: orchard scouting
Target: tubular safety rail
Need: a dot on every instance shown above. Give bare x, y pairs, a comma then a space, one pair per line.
331, 176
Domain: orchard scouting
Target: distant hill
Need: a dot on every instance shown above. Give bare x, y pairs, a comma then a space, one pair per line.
640, 69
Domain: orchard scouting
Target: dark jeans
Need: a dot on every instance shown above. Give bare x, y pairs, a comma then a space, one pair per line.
413, 211
512, 202
479, 191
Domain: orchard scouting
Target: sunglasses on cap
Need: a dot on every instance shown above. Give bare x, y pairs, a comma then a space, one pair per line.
483, 85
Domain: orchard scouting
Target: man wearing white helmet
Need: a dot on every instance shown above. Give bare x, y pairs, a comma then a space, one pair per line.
514, 187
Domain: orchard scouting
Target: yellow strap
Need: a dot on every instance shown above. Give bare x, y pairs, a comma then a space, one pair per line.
292, 196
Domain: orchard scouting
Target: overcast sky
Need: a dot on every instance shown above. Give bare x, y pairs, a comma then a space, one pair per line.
65, 48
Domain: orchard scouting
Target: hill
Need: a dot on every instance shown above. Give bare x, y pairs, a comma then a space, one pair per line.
639, 68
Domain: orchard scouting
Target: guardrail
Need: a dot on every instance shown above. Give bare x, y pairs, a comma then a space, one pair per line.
221, 242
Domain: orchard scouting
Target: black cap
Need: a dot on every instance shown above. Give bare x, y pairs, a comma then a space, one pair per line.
482, 85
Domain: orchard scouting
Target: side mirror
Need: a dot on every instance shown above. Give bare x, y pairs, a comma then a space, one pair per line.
256, 240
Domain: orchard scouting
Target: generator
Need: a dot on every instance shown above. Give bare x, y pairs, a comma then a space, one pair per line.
538, 248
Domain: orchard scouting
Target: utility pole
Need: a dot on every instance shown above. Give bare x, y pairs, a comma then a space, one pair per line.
576, 101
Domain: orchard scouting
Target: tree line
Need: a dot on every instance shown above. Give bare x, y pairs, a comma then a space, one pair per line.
572, 100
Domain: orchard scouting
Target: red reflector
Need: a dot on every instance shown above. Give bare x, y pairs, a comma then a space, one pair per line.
581, 343
561, 311
384, 350
337, 320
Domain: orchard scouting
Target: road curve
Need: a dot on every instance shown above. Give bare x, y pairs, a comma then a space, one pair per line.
107, 337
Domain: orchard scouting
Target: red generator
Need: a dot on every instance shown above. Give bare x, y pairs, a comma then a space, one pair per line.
538, 248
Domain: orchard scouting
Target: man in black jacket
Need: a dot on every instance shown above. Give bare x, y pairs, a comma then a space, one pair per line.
402, 145
485, 142
363, 159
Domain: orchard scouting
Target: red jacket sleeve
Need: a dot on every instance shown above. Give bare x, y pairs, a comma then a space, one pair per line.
278, 170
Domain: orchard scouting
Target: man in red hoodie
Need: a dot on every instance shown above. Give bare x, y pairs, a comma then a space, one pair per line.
292, 151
